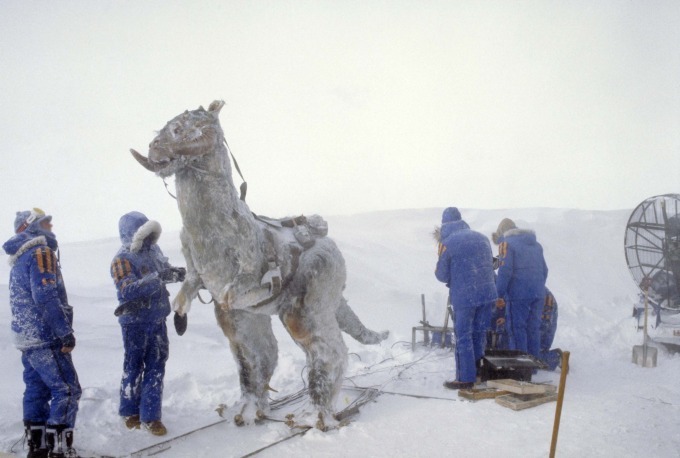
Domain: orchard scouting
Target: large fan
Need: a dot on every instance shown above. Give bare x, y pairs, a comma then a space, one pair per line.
652, 245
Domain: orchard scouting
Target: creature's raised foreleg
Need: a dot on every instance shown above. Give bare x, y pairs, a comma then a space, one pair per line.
192, 282
255, 350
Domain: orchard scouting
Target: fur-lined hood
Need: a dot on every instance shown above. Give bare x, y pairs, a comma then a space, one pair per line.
20, 244
135, 227
526, 234
440, 233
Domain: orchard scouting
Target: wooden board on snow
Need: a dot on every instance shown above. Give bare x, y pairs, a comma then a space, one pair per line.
518, 387
525, 401
476, 394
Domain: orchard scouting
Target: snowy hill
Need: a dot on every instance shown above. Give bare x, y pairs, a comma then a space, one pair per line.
611, 408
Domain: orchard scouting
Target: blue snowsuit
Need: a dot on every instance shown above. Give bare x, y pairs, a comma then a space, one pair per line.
144, 299
41, 324
522, 273
548, 327
465, 264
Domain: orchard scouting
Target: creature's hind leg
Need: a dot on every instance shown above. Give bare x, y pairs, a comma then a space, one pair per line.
255, 350
317, 332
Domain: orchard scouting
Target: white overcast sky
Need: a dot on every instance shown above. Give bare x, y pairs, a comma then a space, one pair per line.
340, 107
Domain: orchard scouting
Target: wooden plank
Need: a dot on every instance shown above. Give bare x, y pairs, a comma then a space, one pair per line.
518, 387
476, 394
525, 401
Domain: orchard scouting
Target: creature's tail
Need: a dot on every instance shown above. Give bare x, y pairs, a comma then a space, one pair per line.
350, 323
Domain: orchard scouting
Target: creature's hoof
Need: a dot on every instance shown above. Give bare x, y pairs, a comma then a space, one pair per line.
245, 412
326, 422
290, 420
315, 419
260, 416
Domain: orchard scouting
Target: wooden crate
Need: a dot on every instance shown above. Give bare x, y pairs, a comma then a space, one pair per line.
475, 394
525, 401
519, 387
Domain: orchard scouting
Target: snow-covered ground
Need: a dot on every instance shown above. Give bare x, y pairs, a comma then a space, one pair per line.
611, 406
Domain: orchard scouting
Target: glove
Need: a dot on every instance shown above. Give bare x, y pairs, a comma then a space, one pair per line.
68, 341
181, 273
500, 303
173, 274
181, 322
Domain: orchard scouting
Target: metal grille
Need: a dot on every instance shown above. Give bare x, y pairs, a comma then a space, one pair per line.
652, 241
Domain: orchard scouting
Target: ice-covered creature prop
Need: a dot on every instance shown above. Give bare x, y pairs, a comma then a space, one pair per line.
255, 267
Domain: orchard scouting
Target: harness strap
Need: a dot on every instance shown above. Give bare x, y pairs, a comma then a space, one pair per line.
244, 186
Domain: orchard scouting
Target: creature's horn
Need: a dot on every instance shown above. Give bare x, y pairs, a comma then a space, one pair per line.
144, 161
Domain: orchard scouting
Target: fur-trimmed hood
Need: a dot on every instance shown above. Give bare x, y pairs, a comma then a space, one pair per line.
526, 234
21, 243
135, 227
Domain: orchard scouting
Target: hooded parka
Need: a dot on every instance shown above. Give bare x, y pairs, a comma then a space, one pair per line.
144, 305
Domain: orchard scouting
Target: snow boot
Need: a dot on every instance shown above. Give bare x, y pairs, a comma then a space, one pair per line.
456, 385
133, 422
59, 440
35, 434
156, 427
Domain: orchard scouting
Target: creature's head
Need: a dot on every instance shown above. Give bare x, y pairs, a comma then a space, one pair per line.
184, 139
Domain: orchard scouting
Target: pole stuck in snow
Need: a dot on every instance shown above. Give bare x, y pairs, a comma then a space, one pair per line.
560, 398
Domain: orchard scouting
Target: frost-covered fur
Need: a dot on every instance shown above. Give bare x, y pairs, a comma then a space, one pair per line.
517, 231
229, 251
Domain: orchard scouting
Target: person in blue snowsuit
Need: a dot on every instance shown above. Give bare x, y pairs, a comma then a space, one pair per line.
551, 357
497, 339
522, 273
140, 272
465, 265
42, 326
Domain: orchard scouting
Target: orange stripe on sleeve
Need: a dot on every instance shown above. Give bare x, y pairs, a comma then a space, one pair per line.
40, 259
117, 270
48, 260
503, 249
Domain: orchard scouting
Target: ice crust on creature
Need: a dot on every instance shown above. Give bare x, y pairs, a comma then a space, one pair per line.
255, 267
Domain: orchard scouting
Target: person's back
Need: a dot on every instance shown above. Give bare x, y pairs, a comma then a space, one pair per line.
522, 271
470, 277
465, 264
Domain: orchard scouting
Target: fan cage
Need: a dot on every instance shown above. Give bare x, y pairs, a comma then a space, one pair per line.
652, 244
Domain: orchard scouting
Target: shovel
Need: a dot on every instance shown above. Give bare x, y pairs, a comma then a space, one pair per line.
644, 355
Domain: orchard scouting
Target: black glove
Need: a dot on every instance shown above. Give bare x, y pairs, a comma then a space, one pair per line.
181, 322
68, 341
173, 274
181, 273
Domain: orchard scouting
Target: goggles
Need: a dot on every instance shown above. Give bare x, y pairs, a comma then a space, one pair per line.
35, 215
